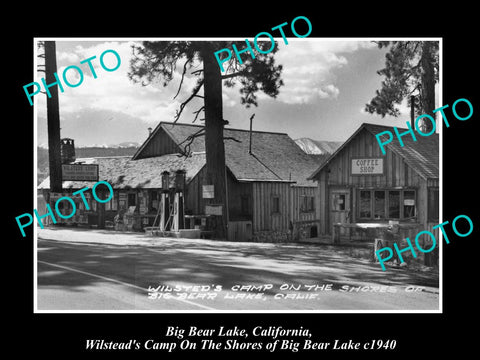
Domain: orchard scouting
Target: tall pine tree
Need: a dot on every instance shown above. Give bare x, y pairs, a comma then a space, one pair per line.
158, 60
411, 68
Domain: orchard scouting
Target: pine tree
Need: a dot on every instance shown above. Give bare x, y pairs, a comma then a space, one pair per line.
158, 60
411, 68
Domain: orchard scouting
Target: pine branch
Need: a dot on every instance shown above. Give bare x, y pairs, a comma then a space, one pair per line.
417, 87
197, 72
183, 76
231, 138
186, 151
197, 113
238, 73
182, 105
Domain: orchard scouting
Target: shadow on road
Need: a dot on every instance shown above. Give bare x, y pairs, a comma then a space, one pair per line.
211, 263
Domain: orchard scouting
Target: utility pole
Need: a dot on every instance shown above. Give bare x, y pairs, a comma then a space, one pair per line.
412, 111
53, 118
251, 127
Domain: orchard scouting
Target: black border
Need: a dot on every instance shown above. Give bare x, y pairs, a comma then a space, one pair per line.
56, 335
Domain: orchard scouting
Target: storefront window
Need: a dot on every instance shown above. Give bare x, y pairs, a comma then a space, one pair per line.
365, 204
379, 205
112, 204
387, 204
394, 204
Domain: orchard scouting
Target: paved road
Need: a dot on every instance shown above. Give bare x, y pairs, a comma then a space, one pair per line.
199, 275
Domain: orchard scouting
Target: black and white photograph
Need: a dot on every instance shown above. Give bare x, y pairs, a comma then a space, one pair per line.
211, 179
251, 181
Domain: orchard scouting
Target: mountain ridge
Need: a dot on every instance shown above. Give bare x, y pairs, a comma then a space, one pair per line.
318, 147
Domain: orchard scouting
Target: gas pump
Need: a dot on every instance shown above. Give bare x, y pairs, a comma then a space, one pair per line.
178, 221
171, 208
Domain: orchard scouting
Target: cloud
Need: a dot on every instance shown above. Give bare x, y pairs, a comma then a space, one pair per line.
308, 75
309, 68
112, 90
70, 57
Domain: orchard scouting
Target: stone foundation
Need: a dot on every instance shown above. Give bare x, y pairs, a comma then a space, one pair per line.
272, 236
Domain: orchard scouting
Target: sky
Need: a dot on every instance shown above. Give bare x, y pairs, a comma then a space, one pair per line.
327, 83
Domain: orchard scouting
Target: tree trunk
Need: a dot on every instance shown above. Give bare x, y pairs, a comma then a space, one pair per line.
428, 83
53, 120
214, 144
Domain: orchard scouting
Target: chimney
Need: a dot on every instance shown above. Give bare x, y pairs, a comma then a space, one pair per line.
250, 145
67, 150
149, 131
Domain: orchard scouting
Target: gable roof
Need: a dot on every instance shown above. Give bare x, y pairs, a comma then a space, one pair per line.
275, 156
421, 155
123, 173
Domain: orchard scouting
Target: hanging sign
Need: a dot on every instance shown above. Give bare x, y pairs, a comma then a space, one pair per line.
80, 172
367, 166
208, 191
213, 210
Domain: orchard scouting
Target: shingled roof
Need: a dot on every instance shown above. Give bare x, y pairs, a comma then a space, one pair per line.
123, 173
421, 155
275, 156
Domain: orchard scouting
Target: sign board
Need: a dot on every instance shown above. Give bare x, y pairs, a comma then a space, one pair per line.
208, 191
367, 166
80, 172
213, 210
409, 202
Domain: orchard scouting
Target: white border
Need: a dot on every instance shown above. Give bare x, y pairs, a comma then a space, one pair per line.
114, 39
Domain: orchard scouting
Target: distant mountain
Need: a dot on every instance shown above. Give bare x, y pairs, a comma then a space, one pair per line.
126, 144
317, 147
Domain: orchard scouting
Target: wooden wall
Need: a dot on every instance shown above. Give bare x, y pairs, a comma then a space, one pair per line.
236, 190
263, 216
397, 174
296, 194
161, 144
194, 203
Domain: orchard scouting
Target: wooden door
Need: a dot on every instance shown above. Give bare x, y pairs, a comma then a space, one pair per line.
339, 207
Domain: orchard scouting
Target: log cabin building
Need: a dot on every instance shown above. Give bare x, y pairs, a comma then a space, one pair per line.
269, 195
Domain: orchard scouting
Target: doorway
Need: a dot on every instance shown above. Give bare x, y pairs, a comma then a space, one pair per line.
339, 208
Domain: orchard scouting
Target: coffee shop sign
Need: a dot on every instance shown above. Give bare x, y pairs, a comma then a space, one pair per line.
367, 166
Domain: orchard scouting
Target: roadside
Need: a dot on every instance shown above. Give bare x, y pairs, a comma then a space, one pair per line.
347, 253
100, 269
110, 237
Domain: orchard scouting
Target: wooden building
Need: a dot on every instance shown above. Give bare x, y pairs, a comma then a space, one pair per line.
361, 190
269, 195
